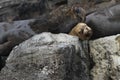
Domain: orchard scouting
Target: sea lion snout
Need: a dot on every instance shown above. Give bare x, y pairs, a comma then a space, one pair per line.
85, 31
88, 31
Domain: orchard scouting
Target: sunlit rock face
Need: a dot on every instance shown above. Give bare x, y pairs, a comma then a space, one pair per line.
105, 53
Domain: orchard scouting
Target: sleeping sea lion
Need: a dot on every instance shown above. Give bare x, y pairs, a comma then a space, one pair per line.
82, 31
60, 20
104, 22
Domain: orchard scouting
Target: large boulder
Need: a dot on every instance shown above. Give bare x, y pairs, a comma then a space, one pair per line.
105, 53
48, 57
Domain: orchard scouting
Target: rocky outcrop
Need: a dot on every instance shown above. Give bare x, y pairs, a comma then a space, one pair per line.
93, 5
16, 10
48, 57
105, 53
11, 10
26, 9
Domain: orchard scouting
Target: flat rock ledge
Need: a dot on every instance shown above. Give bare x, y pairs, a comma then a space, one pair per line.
105, 53
48, 56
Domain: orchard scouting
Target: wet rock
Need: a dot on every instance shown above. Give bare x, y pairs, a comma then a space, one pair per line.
105, 53
48, 57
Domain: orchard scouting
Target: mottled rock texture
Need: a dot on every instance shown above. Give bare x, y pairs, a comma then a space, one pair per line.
26, 9
105, 53
48, 57
93, 5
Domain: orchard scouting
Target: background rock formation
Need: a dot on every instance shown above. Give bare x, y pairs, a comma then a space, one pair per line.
26, 9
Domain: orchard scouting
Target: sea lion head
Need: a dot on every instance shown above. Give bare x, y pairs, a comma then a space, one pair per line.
78, 12
81, 30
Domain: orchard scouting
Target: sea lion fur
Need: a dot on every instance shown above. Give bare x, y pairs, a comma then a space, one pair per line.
82, 31
104, 22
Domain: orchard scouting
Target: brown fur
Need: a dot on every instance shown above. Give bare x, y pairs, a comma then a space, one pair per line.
82, 31
81, 14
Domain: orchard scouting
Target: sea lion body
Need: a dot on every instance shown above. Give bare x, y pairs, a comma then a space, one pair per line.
104, 22
12, 34
60, 20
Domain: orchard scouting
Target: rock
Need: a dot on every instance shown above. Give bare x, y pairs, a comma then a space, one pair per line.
52, 4
11, 10
2, 61
48, 57
16, 10
102, 5
71, 2
105, 53
93, 5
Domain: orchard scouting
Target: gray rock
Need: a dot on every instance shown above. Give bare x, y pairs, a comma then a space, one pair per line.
26, 9
106, 56
48, 57
93, 5
21, 9
70, 2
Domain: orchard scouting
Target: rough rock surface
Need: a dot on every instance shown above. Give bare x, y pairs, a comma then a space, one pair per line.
26, 9
105, 53
48, 57
93, 5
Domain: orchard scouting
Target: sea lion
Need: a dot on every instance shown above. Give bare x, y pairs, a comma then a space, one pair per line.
104, 22
82, 31
60, 20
